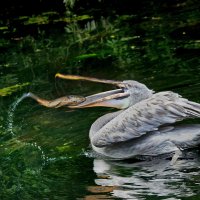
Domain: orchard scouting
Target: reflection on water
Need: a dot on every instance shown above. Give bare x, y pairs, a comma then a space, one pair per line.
139, 180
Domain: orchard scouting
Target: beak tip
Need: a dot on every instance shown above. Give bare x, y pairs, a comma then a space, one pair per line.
57, 75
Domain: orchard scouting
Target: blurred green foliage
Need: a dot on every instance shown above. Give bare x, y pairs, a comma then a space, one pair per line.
9, 90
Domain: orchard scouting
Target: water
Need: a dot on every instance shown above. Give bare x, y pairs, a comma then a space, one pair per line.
45, 153
154, 178
11, 112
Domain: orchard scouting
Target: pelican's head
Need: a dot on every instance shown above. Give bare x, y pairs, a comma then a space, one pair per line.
129, 92
137, 91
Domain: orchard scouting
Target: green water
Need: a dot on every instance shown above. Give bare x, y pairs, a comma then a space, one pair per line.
45, 153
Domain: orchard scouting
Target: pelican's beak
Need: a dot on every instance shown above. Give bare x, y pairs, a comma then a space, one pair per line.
118, 98
113, 98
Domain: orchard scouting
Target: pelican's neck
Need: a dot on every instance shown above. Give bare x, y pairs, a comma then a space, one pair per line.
101, 122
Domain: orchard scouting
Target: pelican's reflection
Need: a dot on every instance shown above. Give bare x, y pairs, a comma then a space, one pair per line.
123, 180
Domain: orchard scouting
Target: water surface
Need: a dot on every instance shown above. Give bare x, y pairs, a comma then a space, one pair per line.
44, 153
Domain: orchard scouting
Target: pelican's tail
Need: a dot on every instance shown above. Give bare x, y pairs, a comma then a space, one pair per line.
192, 108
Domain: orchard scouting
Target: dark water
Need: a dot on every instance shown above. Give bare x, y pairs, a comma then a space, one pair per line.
44, 153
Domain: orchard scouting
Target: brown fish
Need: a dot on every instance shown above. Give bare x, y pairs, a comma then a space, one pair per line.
70, 100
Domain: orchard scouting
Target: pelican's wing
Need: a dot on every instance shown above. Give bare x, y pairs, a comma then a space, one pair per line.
146, 116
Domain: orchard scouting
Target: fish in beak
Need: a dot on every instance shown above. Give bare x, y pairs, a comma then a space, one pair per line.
118, 98
69, 100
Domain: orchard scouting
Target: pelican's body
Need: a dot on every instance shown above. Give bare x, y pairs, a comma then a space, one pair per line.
145, 132
145, 126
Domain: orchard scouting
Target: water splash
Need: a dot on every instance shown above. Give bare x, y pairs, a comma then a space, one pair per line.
10, 122
43, 157
11, 112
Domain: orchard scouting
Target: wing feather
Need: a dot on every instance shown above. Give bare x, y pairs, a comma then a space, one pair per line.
146, 116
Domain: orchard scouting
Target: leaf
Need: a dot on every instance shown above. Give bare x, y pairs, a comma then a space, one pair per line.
85, 56
3, 28
9, 90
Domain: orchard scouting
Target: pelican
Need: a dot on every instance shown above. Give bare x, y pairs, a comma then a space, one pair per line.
145, 126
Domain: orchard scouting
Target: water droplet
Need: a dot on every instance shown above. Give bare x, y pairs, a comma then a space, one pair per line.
11, 111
